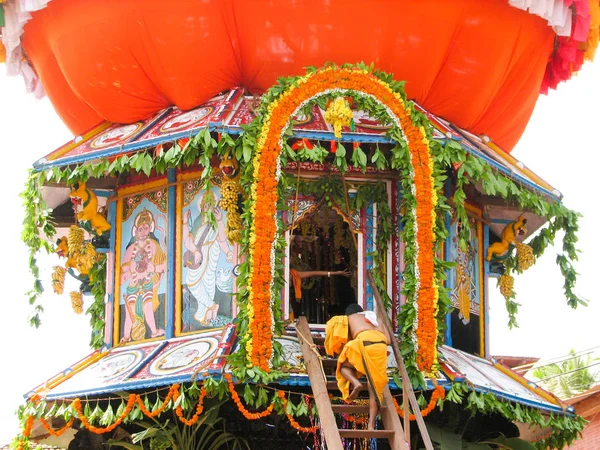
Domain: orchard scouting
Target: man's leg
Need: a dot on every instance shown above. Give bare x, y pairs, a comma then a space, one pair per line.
349, 374
373, 408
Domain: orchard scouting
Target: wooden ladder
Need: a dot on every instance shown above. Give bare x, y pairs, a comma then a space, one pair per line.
397, 435
333, 435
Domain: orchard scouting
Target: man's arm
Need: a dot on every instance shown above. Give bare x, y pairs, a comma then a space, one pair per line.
322, 273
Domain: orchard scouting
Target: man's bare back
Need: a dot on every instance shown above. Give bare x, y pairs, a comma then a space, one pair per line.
357, 323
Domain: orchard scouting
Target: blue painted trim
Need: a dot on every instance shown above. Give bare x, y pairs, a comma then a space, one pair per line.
400, 253
369, 248
501, 221
486, 277
447, 244
506, 171
102, 193
129, 147
112, 219
170, 325
522, 401
325, 136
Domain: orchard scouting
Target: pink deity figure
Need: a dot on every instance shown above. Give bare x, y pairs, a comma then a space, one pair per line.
143, 267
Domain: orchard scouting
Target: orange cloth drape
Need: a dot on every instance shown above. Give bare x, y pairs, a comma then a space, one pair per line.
372, 358
296, 283
336, 335
477, 63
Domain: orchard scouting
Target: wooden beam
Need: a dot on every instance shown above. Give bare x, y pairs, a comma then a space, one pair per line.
407, 385
318, 384
391, 421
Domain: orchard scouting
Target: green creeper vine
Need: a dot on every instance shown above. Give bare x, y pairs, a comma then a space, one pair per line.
472, 170
37, 220
566, 427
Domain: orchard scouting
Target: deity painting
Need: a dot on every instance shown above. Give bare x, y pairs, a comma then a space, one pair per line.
143, 266
207, 261
465, 276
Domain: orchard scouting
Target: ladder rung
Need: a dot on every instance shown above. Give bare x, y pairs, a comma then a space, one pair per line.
377, 434
351, 409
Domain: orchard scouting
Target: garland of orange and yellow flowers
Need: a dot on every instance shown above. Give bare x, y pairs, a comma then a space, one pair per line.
171, 398
263, 195
439, 393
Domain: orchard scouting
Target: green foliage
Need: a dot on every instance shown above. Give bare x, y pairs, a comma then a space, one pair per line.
568, 378
566, 427
97, 276
207, 434
38, 231
473, 170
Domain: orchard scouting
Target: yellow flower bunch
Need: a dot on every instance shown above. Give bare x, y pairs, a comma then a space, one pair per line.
339, 115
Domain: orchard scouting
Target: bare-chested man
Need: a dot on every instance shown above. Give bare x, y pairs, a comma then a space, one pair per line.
365, 353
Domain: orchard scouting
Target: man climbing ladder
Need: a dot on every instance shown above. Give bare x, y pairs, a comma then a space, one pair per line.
362, 343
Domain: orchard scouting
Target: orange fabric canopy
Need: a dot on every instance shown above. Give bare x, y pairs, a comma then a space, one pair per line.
476, 63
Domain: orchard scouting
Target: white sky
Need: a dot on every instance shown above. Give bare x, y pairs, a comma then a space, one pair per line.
559, 145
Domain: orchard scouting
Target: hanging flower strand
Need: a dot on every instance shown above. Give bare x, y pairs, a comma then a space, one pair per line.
247, 414
438, 394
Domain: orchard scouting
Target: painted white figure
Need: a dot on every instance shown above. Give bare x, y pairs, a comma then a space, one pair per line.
180, 358
204, 245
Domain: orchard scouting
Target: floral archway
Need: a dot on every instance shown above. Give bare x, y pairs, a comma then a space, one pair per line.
280, 107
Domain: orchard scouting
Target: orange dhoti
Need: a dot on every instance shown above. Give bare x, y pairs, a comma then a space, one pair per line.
369, 360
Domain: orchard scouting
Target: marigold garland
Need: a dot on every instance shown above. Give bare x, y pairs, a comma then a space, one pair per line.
199, 409
98, 430
439, 393
247, 414
26, 432
58, 432
293, 421
264, 200
173, 394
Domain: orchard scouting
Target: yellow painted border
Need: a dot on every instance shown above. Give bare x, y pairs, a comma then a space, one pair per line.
522, 381
77, 368
88, 135
482, 286
513, 161
178, 270
139, 188
117, 272
482, 306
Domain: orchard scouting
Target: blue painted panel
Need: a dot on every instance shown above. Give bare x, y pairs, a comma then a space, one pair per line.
170, 325
369, 248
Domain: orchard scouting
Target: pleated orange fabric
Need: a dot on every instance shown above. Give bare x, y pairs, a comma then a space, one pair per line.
477, 63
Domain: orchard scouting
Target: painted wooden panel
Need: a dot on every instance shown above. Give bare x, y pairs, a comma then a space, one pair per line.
207, 261
142, 265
